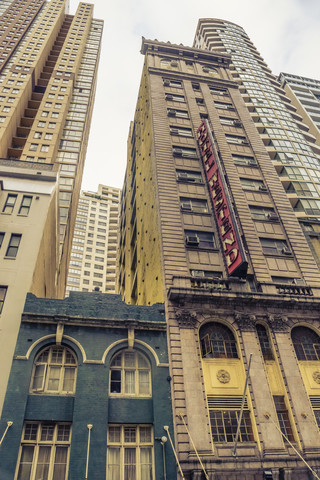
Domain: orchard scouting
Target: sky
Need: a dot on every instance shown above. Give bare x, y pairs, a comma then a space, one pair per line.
285, 32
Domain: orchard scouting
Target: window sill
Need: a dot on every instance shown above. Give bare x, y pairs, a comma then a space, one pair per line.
9, 258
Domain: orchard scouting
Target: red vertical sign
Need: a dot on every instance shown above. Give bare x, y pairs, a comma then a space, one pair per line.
234, 254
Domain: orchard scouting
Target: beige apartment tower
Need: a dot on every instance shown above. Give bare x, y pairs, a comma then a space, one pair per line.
48, 69
92, 264
206, 227
288, 134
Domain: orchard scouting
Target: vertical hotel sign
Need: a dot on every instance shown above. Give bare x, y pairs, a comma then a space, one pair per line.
233, 250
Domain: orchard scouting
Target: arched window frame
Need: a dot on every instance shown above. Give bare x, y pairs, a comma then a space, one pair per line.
130, 374
225, 347
264, 342
306, 350
54, 371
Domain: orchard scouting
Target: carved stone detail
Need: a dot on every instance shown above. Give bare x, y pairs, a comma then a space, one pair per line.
245, 321
223, 376
186, 318
316, 376
278, 323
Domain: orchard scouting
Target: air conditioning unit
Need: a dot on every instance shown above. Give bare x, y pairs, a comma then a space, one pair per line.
245, 142
205, 70
182, 175
272, 216
252, 161
237, 123
286, 251
186, 206
177, 152
174, 63
169, 97
174, 131
171, 113
197, 273
263, 188
192, 240
166, 83
298, 281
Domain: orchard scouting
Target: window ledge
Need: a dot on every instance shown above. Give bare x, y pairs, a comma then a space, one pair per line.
9, 258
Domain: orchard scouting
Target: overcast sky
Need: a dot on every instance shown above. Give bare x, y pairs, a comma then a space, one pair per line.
286, 33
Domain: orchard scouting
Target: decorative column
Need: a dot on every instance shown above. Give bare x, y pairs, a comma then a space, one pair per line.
270, 437
300, 403
196, 411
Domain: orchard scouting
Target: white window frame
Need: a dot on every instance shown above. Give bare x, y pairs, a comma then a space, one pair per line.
37, 443
121, 445
46, 367
124, 369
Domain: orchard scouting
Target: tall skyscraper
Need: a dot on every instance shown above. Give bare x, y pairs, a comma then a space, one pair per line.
95, 241
206, 228
286, 130
48, 70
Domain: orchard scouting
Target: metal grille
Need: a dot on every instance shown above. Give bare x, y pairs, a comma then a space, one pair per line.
315, 401
230, 402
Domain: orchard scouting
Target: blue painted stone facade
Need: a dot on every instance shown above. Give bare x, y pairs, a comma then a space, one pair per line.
95, 326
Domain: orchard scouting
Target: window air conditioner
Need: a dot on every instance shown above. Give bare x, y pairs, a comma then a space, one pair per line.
237, 123
174, 63
263, 188
182, 175
298, 281
171, 113
252, 162
192, 240
186, 206
177, 151
286, 251
272, 216
245, 142
197, 273
166, 83
169, 97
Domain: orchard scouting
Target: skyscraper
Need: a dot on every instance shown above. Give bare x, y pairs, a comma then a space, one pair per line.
48, 69
94, 246
207, 228
287, 131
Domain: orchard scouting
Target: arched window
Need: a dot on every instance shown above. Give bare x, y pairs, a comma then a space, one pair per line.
217, 341
306, 343
54, 371
130, 374
264, 341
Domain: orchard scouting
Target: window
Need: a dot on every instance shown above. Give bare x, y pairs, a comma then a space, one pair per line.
13, 245
33, 147
54, 371
217, 341
175, 98
183, 132
3, 292
306, 343
283, 417
44, 148
193, 205
10, 202
199, 239
252, 184
263, 213
44, 451
130, 452
264, 341
130, 374
177, 113
25, 205
224, 413
187, 176
275, 247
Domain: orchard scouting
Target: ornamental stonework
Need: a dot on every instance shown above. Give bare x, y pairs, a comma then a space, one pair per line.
223, 376
316, 376
245, 321
186, 318
278, 323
